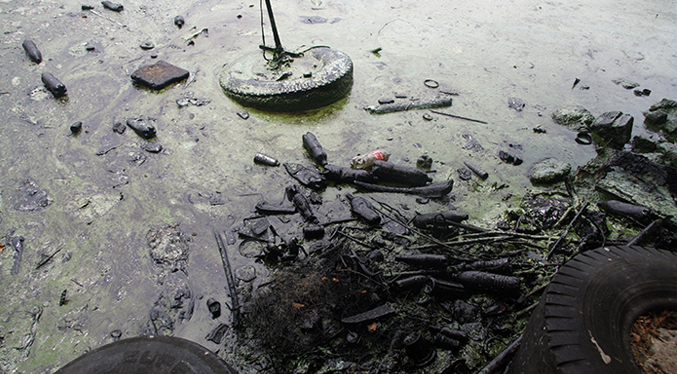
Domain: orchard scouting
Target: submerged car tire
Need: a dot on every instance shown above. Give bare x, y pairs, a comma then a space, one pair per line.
149, 355
330, 80
584, 319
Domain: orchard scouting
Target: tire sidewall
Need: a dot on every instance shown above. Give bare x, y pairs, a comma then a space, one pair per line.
584, 319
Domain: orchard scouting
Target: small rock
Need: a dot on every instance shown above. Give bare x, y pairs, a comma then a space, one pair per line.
516, 103
510, 159
667, 121
87, 7
656, 118
217, 334
119, 127
664, 104
116, 334
627, 84
353, 338
549, 171
246, 273
142, 127
385, 101
147, 45
244, 114
644, 92
152, 147
575, 117
424, 162
643, 145
669, 153
159, 75
31, 197
312, 20
168, 247
112, 6
179, 21
615, 128
464, 174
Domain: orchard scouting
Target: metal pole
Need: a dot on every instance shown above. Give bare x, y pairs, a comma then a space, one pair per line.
278, 44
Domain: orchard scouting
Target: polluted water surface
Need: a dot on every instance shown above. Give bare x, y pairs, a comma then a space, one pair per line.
112, 191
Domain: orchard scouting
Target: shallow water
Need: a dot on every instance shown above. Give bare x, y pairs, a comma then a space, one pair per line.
103, 206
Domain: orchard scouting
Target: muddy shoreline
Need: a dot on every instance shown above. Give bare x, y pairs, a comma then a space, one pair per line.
84, 202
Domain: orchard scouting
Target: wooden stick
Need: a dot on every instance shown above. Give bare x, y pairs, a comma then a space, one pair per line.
566, 231
235, 308
502, 357
653, 226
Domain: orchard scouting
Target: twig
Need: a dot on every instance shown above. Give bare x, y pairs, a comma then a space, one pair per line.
526, 310
502, 357
103, 152
466, 226
510, 233
340, 232
46, 260
409, 227
340, 220
459, 117
566, 231
462, 242
229, 277
537, 289
653, 226
106, 18
486, 236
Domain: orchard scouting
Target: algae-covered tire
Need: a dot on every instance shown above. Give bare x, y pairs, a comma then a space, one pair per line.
583, 322
320, 77
149, 355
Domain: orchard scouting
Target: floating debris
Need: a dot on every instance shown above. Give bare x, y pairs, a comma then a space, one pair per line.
179, 21
477, 170
400, 106
378, 312
433, 190
159, 75
314, 148
54, 85
261, 159
32, 51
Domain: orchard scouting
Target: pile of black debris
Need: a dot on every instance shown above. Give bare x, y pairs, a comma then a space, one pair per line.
385, 291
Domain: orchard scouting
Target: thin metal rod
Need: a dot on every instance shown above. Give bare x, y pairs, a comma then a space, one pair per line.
276, 36
459, 117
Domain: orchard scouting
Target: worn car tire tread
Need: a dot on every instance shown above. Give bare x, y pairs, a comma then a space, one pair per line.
332, 84
597, 295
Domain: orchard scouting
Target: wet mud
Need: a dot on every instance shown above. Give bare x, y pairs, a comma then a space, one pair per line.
85, 202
